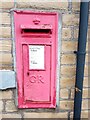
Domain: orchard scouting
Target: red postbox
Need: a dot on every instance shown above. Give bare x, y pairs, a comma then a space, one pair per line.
36, 58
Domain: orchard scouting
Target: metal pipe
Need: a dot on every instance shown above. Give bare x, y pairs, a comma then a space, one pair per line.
82, 38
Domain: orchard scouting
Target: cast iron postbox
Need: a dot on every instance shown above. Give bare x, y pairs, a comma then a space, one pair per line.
36, 58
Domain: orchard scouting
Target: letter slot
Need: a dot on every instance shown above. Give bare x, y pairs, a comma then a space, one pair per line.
36, 30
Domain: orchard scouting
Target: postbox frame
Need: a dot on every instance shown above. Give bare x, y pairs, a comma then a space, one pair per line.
20, 89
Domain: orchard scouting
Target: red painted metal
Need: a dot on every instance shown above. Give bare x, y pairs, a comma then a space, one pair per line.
36, 87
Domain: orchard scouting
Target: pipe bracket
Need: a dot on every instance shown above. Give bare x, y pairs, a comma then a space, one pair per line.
79, 53
77, 89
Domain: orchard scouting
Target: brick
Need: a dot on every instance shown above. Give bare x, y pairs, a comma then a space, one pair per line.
89, 50
5, 32
84, 114
88, 81
69, 46
85, 105
66, 33
1, 106
5, 18
68, 59
45, 115
89, 20
85, 82
68, 71
66, 105
76, 6
86, 70
10, 106
0, 116
8, 94
76, 1
86, 93
42, 4
70, 19
0, 95
6, 58
88, 35
86, 59
88, 113
12, 115
6, 42
5, 45
72, 93
6, 67
66, 82
6, 5
71, 115
76, 32
64, 93
87, 46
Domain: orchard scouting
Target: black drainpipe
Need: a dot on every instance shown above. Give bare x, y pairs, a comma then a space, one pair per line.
82, 38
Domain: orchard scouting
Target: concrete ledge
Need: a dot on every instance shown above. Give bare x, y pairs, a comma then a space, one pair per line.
7, 79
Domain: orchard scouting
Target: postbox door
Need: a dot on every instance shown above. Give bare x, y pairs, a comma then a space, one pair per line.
37, 64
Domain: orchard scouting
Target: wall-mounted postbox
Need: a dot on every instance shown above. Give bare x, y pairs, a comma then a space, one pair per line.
36, 58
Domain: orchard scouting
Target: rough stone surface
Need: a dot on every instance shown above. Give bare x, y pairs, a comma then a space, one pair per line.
5, 45
5, 18
70, 19
69, 46
68, 71
67, 82
3, 59
42, 4
85, 104
11, 115
6, 94
5, 32
85, 114
45, 115
68, 59
76, 6
86, 82
66, 105
6, 4
64, 94
66, 33
10, 106
1, 106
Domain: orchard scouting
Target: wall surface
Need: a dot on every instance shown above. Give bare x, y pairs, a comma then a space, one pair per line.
69, 36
